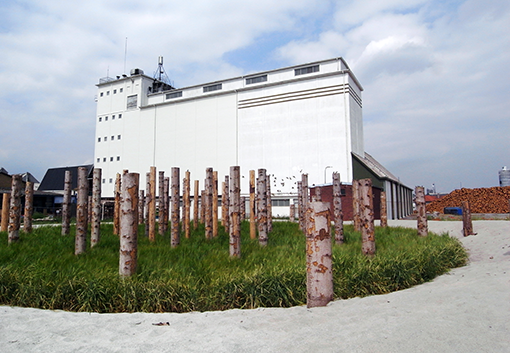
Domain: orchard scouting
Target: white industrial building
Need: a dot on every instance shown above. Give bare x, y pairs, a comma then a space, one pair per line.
300, 119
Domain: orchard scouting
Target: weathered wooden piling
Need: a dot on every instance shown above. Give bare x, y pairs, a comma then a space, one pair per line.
29, 207
319, 275
235, 219
95, 222
225, 204
215, 204
467, 224
161, 203
66, 203
147, 197
195, 204
208, 213
128, 251
80, 241
421, 211
269, 204
15, 209
337, 209
356, 206
141, 206
253, 224
116, 205
175, 210
187, 204
384, 210
151, 196
292, 213
262, 206
5, 211
367, 217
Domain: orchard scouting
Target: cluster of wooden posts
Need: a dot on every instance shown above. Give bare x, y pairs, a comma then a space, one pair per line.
134, 207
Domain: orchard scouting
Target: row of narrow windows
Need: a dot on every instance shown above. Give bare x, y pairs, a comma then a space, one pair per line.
98, 160
102, 94
106, 138
106, 117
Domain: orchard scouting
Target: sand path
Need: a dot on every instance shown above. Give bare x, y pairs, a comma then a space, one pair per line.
466, 310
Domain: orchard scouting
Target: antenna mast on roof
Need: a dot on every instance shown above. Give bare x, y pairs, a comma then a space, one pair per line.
160, 73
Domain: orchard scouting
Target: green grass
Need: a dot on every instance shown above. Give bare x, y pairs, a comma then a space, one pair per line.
42, 271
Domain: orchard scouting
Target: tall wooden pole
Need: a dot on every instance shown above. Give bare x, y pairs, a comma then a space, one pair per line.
152, 204
96, 208
29, 207
253, 224
421, 210
175, 197
467, 224
15, 208
384, 212
66, 204
208, 220
215, 204
262, 206
195, 204
166, 192
305, 198
116, 205
161, 203
300, 205
5, 212
147, 198
225, 203
141, 208
319, 275
235, 219
187, 204
80, 241
269, 204
367, 217
337, 209
292, 213
128, 252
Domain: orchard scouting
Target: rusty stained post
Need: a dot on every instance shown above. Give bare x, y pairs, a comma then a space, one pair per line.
128, 230
147, 196
235, 216
116, 204
207, 203
176, 209
195, 204
202, 206
305, 198
66, 203
15, 208
384, 212
300, 205
141, 208
5, 212
187, 204
29, 207
152, 204
225, 204
80, 240
161, 203
356, 209
96, 208
215, 204
166, 192
367, 217
253, 224
337, 209
262, 206
269, 204
467, 224
319, 274
421, 211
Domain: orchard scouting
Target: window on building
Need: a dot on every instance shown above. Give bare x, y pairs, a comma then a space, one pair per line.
118, 137
99, 139
113, 117
114, 91
106, 138
101, 94
100, 119
120, 116
211, 88
110, 181
104, 181
280, 202
174, 95
105, 118
98, 160
104, 159
132, 101
121, 89
257, 79
306, 70
113, 138
111, 159
118, 158
107, 93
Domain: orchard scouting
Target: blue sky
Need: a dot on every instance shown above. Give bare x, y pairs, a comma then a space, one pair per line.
435, 74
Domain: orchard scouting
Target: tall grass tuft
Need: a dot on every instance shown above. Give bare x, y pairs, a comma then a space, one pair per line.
42, 271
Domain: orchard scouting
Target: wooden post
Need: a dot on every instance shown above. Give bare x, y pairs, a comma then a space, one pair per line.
80, 240
66, 204
128, 252
262, 206
161, 203
116, 205
384, 212
269, 205
5, 212
253, 224
305, 198
175, 197
337, 209
152, 204
319, 275
207, 203
187, 204
215, 204
356, 206
96, 208
300, 205
467, 224
166, 193
242, 206
367, 217
421, 210
225, 203
29, 207
235, 198
147, 197
292, 213
15, 208
141, 207
195, 204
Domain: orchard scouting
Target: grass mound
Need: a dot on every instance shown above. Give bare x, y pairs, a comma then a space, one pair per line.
42, 271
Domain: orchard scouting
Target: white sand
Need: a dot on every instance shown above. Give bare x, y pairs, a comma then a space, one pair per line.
466, 310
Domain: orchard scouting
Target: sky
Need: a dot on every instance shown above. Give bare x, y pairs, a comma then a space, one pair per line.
435, 74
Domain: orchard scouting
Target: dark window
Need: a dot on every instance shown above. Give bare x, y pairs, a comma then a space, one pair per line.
111, 180
256, 79
111, 159
107, 93
306, 70
113, 117
120, 116
211, 88
132, 101
121, 89
99, 139
118, 137
104, 159
98, 160
280, 203
114, 91
100, 119
104, 181
113, 138
118, 158
174, 95
105, 118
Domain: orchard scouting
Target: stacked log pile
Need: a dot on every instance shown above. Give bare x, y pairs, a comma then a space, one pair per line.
482, 200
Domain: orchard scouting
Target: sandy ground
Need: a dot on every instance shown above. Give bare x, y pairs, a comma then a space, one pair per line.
466, 310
